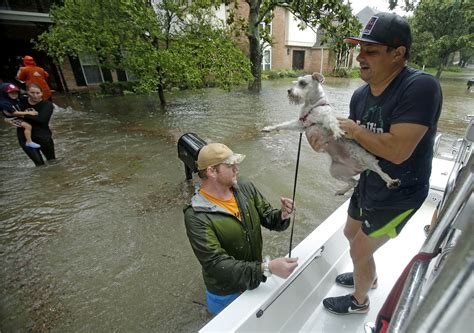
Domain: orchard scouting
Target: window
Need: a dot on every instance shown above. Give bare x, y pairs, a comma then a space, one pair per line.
131, 76
91, 69
267, 60
266, 29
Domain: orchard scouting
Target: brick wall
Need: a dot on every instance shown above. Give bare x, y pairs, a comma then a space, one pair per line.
69, 76
280, 57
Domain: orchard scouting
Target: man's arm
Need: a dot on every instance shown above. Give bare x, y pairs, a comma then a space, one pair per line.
272, 218
418, 107
21, 75
395, 146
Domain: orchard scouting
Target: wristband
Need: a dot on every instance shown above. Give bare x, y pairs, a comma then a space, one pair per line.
266, 269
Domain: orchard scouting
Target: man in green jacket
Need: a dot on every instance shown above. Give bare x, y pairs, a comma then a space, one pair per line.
223, 224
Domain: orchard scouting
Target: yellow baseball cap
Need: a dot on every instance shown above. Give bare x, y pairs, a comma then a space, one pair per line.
217, 153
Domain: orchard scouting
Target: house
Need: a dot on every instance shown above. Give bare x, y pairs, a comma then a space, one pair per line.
20, 22
293, 48
298, 49
365, 14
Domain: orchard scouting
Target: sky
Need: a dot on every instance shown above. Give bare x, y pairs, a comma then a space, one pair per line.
381, 5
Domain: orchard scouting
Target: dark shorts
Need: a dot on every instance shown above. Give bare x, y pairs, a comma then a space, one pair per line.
379, 222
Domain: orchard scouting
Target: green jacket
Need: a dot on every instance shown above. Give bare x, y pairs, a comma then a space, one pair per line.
230, 251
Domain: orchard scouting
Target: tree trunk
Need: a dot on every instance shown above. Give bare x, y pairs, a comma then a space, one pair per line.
441, 66
161, 91
161, 94
254, 46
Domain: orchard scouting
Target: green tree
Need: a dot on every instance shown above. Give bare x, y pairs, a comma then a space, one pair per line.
165, 43
407, 5
441, 27
330, 15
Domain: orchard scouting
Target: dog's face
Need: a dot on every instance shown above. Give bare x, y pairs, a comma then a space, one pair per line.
307, 89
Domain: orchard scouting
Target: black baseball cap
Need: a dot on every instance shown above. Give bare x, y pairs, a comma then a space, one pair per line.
385, 29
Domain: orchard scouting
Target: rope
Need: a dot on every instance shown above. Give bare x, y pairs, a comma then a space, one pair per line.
294, 193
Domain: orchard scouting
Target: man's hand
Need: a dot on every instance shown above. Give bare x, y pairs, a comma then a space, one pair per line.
316, 138
348, 126
286, 207
283, 267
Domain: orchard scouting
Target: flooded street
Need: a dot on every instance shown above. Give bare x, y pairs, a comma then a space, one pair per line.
96, 241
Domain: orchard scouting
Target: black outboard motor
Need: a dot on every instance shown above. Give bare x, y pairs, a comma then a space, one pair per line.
189, 145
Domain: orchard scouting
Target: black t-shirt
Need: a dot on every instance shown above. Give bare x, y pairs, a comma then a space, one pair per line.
39, 123
412, 97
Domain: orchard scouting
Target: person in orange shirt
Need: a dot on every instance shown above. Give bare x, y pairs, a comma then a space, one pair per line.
224, 226
31, 73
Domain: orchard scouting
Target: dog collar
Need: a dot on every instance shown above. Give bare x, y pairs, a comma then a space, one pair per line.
305, 117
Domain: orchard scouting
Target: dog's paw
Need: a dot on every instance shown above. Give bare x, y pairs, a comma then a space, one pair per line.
338, 134
394, 183
268, 128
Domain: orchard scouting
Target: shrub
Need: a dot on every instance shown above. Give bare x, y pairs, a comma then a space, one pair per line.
117, 88
455, 69
278, 74
345, 72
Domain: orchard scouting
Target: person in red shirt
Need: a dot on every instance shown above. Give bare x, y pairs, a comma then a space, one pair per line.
31, 73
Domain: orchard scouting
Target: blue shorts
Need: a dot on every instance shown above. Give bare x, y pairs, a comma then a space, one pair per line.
216, 303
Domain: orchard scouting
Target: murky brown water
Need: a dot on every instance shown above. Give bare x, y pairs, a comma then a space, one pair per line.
96, 241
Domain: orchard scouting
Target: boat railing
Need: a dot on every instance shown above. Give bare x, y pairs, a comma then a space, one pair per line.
457, 206
437, 141
455, 147
441, 309
289, 281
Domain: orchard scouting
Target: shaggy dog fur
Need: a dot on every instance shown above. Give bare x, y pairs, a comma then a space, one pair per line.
348, 159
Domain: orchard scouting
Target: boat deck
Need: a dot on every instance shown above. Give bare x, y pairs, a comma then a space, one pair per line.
391, 260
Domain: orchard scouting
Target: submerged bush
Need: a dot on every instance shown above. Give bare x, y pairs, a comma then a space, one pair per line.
278, 74
117, 88
346, 72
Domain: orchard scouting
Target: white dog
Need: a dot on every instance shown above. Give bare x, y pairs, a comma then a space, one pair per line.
317, 118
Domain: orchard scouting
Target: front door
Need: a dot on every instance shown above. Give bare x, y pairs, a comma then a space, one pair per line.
298, 60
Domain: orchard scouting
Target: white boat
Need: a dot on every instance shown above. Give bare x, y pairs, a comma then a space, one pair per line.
435, 294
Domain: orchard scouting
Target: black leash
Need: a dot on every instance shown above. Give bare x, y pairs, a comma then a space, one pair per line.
294, 193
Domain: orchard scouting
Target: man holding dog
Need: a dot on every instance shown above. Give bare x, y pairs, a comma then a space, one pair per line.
223, 224
394, 116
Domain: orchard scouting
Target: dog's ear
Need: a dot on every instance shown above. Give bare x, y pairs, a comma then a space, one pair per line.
318, 77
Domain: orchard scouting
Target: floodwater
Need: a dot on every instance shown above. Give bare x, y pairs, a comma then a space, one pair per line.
96, 241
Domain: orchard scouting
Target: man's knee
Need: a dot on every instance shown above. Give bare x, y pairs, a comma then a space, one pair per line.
349, 233
351, 228
363, 247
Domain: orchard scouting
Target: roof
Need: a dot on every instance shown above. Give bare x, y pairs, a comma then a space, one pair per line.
365, 14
